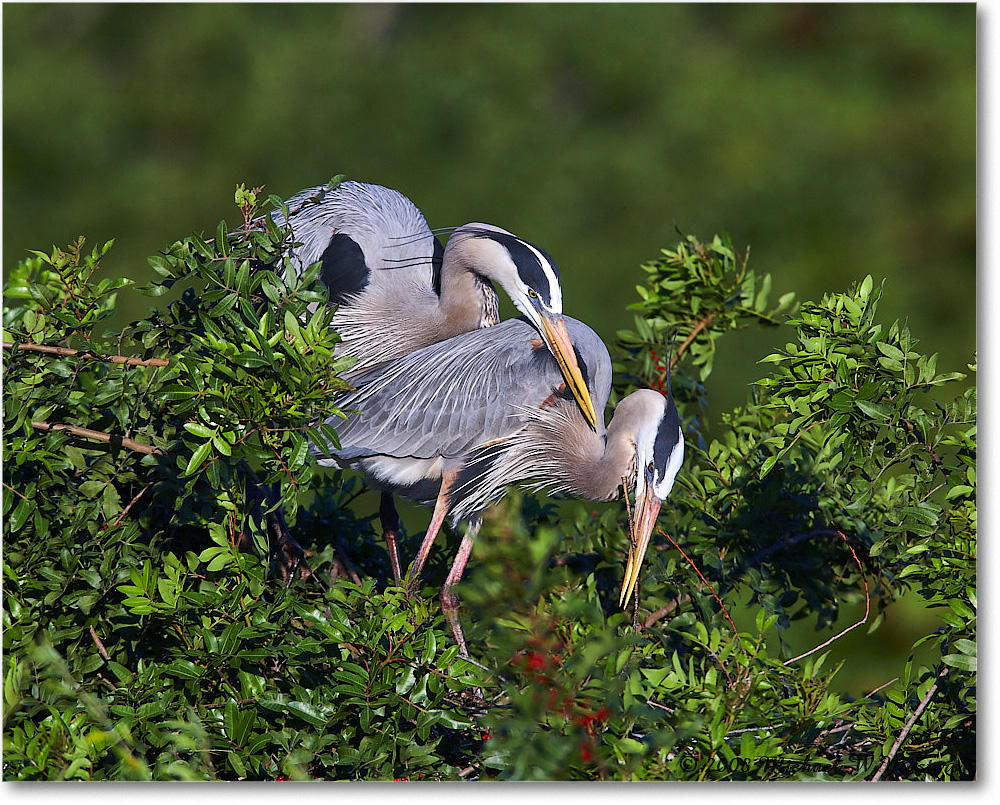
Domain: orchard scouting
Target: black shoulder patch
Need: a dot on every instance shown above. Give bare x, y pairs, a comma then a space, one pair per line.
344, 271
436, 262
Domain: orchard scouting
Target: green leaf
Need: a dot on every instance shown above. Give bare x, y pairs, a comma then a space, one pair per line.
251, 360
20, 515
198, 429
878, 411
963, 662
307, 713
198, 458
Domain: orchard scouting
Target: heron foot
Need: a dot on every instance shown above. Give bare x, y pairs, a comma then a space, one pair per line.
449, 605
290, 557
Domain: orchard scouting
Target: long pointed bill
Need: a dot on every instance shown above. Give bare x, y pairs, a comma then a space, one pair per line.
557, 339
645, 518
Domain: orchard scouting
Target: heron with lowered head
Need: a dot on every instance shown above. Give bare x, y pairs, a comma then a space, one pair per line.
454, 424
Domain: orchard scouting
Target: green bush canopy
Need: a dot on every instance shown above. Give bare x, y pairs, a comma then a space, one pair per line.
161, 623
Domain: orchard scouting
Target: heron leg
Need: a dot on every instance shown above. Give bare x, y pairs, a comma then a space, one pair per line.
441, 506
449, 601
390, 525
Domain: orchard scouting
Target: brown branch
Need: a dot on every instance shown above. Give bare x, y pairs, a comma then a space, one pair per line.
662, 612
338, 543
128, 508
701, 325
76, 353
100, 436
711, 589
97, 642
12, 489
909, 725
791, 541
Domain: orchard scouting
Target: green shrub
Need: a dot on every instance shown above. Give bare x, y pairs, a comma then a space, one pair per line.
154, 505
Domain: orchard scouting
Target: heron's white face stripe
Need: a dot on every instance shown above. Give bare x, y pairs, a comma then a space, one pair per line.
551, 274
528, 275
659, 444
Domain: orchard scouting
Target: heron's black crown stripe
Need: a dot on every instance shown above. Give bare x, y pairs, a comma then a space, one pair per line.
344, 271
532, 272
666, 434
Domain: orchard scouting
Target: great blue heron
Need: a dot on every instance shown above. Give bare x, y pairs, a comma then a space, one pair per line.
398, 291
454, 424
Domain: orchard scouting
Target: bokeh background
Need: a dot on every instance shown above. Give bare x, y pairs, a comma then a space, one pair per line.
835, 140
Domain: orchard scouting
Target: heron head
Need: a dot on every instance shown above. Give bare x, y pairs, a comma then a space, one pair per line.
531, 279
659, 453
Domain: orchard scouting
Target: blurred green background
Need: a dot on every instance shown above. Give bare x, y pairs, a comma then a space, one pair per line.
835, 140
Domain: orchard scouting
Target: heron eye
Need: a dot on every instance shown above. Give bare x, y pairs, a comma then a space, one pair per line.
532, 293
650, 468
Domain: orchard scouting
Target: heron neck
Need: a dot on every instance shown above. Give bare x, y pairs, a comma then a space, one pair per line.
616, 463
592, 465
468, 300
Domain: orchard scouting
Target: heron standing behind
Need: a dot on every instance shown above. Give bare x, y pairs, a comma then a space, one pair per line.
454, 424
397, 290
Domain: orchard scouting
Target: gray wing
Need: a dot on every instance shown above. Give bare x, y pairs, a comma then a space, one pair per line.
454, 395
362, 233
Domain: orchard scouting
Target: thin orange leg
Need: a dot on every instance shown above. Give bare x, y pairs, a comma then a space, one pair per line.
441, 506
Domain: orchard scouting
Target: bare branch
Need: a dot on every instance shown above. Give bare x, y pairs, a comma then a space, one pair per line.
788, 542
132, 502
76, 353
100, 436
909, 725
662, 612
97, 642
701, 325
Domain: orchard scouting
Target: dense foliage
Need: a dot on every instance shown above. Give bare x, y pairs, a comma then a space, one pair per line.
159, 622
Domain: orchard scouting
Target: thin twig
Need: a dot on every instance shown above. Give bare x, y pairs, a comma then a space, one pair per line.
788, 542
909, 725
97, 642
12, 489
100, 436
338, 544
711, 589
76, 353
286, 550
880, 687
701, 325
722, 606
132, 502
839, 635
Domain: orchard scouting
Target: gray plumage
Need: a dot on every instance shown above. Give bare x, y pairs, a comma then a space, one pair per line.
398, 291
435, 410
457, 423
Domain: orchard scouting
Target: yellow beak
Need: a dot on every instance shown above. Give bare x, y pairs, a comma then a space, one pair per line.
557, 340
642, 528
